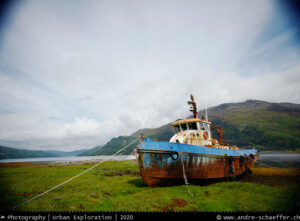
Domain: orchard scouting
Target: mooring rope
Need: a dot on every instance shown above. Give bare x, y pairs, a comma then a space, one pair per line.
53, 188
260, 162
266, 164
184, 175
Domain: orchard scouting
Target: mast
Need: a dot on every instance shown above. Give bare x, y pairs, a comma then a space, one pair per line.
206, 116
193, 107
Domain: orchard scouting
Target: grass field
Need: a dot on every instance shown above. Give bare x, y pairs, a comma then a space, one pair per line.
117, 186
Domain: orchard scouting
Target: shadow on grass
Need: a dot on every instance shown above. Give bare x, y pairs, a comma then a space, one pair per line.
138, 182
9, 199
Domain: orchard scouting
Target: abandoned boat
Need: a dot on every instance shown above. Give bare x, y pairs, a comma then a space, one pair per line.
192, 154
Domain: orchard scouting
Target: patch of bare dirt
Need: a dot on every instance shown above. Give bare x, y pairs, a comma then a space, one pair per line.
108, 194
112, 173
20, 194
80, 206
177, 202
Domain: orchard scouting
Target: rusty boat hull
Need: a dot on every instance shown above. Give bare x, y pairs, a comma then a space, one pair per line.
163, 163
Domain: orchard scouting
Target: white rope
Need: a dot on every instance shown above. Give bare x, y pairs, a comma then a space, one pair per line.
53, 188
260, 162
183, 171
266, 164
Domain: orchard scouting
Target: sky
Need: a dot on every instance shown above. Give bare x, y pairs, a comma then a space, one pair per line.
75, 74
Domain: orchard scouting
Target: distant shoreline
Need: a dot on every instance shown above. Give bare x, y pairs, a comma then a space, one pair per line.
280, 152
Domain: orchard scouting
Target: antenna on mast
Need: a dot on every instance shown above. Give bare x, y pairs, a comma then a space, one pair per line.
206, 116
193, 107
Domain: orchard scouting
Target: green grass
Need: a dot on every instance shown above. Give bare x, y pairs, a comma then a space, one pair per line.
117, 186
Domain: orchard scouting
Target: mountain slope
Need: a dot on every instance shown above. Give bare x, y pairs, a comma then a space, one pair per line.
113, 146
14, 153
253, 123
273, 126
161, 133
91, 152
67, 154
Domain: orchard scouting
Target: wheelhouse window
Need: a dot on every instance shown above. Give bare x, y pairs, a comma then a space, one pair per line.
183, 127
192, 126
176, 128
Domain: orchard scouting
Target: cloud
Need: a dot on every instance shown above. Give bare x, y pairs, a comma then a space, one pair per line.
75, 75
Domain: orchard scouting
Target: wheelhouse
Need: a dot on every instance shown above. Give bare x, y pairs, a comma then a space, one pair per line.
190, 125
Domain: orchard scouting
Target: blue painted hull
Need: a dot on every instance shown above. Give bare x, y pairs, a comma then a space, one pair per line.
187, 148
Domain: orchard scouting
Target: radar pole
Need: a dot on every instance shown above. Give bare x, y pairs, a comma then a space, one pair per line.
193, 107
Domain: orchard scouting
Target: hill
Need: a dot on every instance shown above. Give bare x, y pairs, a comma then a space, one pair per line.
161, 133
113, 146
270, 126
14, 153
253, 123
68, 154
91, 152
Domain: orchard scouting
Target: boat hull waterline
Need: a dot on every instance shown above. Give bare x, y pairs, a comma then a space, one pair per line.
164, 162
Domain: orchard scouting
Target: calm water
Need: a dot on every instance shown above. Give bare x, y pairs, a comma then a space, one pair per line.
270, 157
67, 159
